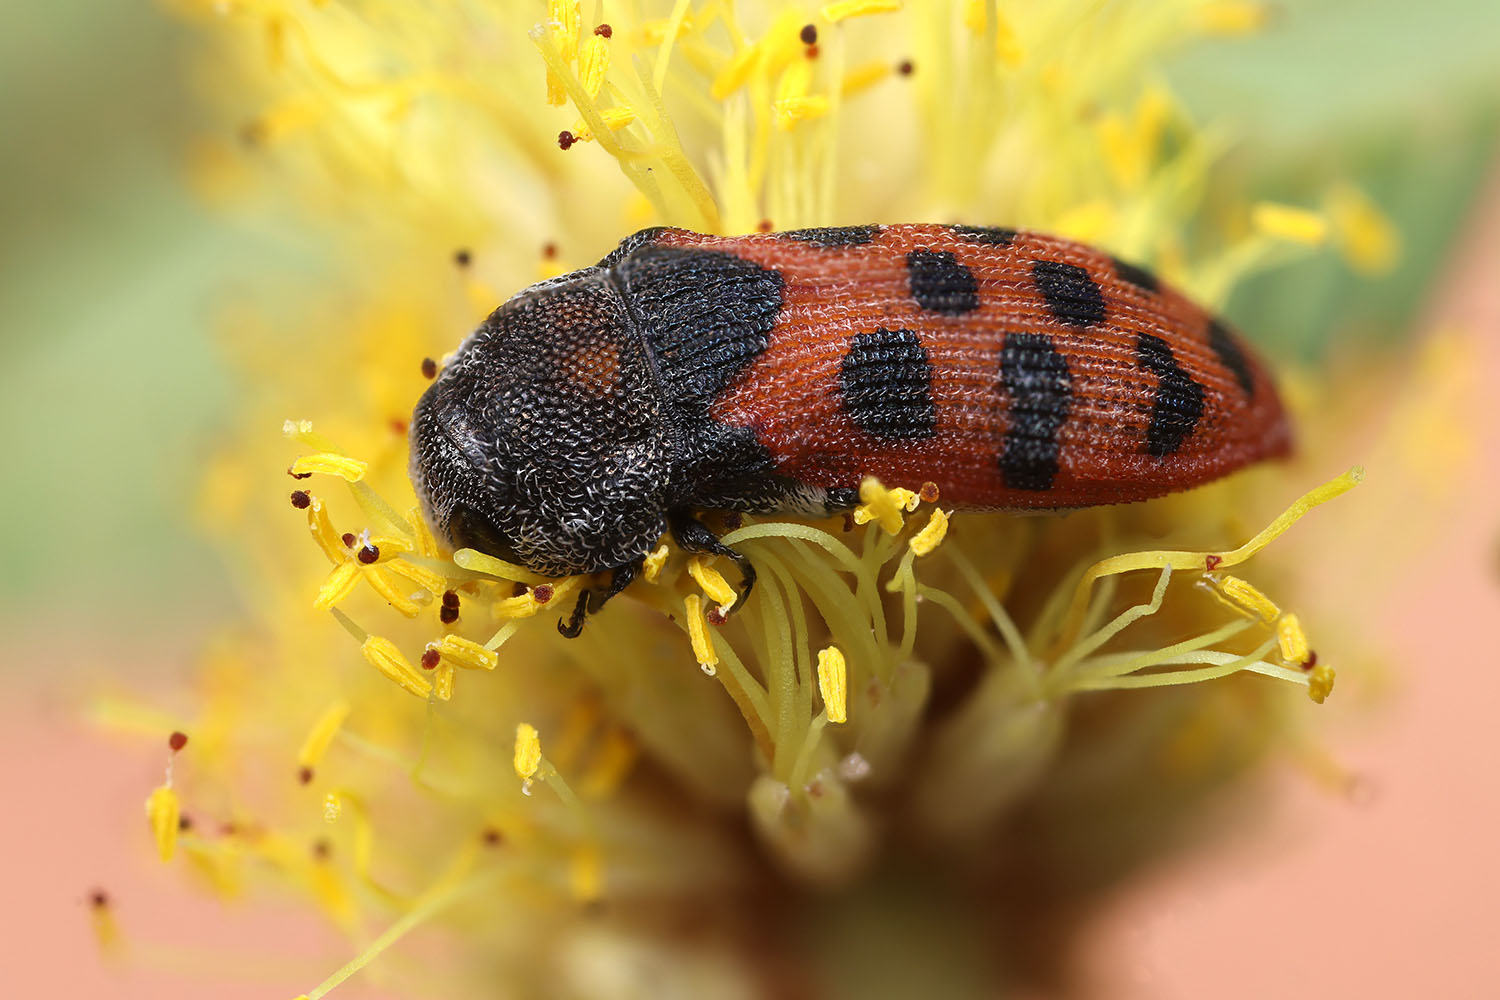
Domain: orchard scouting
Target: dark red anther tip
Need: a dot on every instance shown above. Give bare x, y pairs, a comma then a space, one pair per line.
565, 140
715, 616
429, 368
765, 225
98, 899
298, 475
928, 493
368, 553
301, 499
177, 741
463, 257
1211, 563
447, 615
304, 777
604, 31
542, 593
906, 67
492, 837
430, 659
348, 539
549, 251
450, 599
809, 34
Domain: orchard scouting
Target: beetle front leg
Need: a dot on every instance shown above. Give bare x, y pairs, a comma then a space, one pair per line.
591, 601
692, 535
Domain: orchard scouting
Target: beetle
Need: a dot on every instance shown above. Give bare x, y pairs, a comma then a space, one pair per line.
595, 411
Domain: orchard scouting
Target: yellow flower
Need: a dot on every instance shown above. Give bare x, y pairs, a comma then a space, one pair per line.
465, 151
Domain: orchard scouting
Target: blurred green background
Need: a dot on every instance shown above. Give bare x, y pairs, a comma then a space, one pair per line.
111, 388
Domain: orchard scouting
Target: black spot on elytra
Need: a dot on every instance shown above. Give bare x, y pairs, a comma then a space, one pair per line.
1137, 276
1071, 295
1179, 400
705, 315
834, 236
1035, 375
994, 236
940, 283
886, 381
1233, 358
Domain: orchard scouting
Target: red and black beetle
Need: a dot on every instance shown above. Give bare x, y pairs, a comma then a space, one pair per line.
773, 372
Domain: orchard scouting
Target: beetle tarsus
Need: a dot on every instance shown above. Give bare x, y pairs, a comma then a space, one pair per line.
591, 601
573, 627
692, 535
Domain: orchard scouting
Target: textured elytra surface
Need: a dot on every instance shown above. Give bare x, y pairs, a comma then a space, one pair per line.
1118, 388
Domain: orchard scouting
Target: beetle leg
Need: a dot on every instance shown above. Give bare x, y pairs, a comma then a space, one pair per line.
590, 601
692, 535
574, 625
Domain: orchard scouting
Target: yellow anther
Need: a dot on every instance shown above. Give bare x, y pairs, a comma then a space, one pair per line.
1248, 598
320, 737
1290, 223
733, 76
593, 64
1320, 683
563, 18
1231, 17
442, 681
321, 527
528, 756
426, 543
1007, 44
712, 581
328, 463
585, 875
795, 80
162, 812
792, 110
344, 578
397, 594
833, 683
931, 536
520, 606
974, 16
426, 579
698, 634
1363, 234
333, 807
1292, 639
862, 78
651, 566
383, 655
614, 120
465, 653
883, 505
841, 10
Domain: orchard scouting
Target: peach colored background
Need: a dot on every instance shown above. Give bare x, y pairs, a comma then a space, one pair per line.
1392, 893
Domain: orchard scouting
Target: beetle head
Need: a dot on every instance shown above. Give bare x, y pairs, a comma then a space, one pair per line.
543, 441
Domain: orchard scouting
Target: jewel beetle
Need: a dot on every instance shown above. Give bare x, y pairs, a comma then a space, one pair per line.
773, 372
